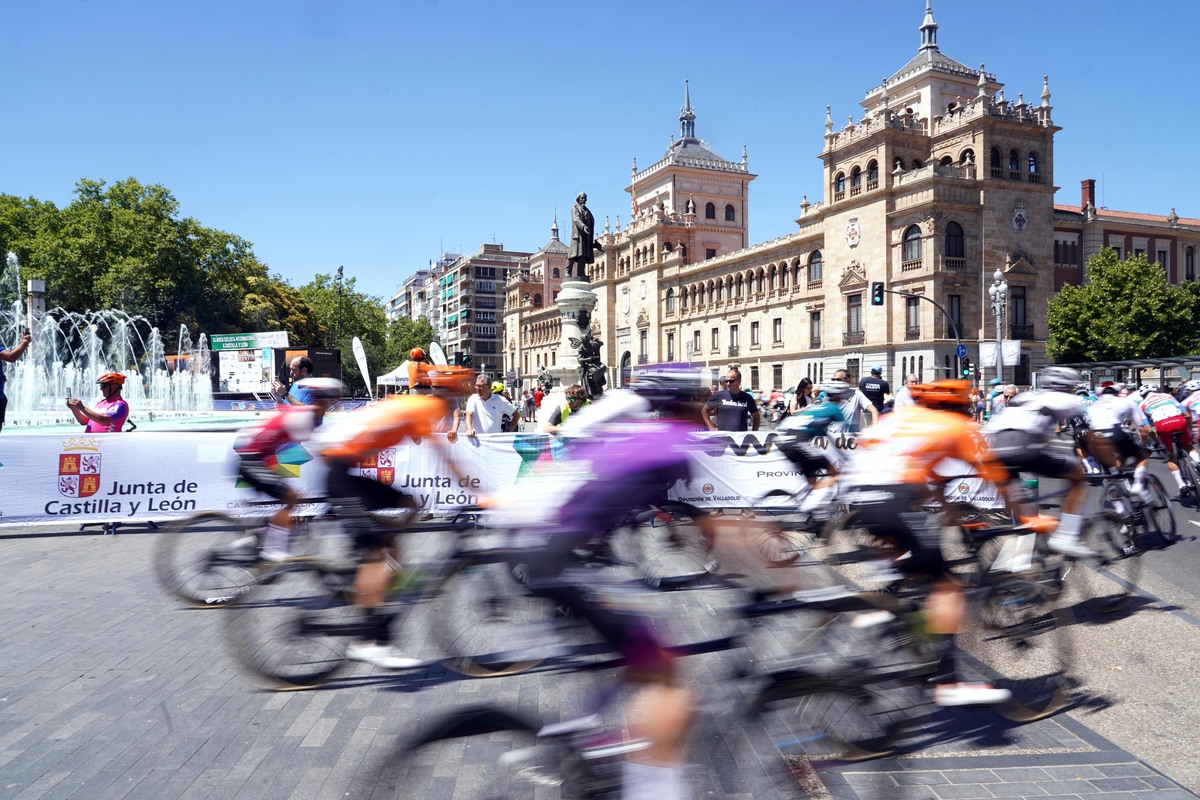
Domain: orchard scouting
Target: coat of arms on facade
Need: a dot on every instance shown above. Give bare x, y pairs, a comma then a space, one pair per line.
79, 467
381, 468
853, 232
1020, 219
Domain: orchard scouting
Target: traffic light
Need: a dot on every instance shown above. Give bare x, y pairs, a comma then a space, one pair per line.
877, 293
966, 368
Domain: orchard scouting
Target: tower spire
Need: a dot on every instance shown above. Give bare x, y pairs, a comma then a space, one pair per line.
687, 117
929, 28
554, 227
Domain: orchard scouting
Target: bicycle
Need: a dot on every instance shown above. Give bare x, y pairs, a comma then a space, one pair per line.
211, 558
1188, 468
290, 629
1139, 518
852, 681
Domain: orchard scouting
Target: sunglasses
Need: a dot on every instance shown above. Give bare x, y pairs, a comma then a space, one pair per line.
574, 399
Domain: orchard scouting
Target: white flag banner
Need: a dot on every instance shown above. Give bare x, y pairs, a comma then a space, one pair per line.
1011, 351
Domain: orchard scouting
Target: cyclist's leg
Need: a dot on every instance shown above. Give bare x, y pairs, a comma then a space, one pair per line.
352, 497
255, 472
1167, 429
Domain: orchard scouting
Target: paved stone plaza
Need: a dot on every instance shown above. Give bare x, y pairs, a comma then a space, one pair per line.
110, 689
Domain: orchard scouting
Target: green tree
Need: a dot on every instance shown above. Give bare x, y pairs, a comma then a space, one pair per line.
272, 304
1126, 310
343, 312
405, 333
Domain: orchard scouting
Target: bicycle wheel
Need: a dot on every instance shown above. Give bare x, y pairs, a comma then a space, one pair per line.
1106, 582
673, 550
856, 554
487, 624
1019, 641
844, 689
208, 559
507, 761
1159, 516
289, 630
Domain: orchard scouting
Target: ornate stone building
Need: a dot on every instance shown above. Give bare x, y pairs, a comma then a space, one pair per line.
938, 182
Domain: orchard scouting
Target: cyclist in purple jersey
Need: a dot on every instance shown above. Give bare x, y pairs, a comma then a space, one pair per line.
628, 461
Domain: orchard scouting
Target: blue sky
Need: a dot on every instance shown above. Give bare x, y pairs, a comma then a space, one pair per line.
376, 135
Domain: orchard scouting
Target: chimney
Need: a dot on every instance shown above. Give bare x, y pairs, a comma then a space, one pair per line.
1088, 193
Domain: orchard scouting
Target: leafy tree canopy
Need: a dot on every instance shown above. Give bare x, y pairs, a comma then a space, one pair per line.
403, 335
1127, 310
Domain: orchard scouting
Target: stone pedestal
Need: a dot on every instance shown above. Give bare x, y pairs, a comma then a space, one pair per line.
574, 297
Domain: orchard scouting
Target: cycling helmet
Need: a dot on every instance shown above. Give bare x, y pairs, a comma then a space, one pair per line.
1147, 388
1191, 386
1058, 379
836, 390
668, 382
942, 394
322, 388
417, 354
112, 377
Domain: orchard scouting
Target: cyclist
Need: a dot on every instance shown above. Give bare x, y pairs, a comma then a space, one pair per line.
1113, 420
1190, 400
630, 460
1021, 440
1169, 419
887, 482
798, 435
359, 437
258, 448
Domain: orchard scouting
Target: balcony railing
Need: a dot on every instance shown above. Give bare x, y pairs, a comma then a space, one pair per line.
814, 343
815, 284
1035, 177
954, 264
997, 172
872, 185
909, 266
839, 195
643, 359
855, 191
912, 332
853, 337
734, 350
1020, 331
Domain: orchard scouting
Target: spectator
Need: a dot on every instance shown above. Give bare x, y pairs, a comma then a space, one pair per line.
803, 398
486, 411
732, 408
10, 356
875, 387
110, 413
904, 393
300, 367
538, 394
576, 399
855, 405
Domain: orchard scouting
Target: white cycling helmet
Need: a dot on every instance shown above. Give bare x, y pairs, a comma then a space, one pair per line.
1191, 386
1059, 379
1147, 388
836, 390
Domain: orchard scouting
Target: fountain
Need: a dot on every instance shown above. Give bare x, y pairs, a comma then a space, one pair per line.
70, 350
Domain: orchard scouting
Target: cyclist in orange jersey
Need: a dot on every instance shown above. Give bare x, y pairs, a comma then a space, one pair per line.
360, 437
889, 479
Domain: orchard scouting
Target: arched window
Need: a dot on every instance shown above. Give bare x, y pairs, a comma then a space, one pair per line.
555, 273
761, 281
917, 163
872, 173
683, 299
710, 211
773, 278
816, 266
783, 276
666, 248
740, 287
955, 246
1034, 172
856, 178
967, 157
839, 183
946, 161
897, 164
912, 244
721, 292
670, 301
796, 274
729, 214
1014, 164
996, 167
537, 300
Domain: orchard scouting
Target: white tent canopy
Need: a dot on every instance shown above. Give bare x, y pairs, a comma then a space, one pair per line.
397, 377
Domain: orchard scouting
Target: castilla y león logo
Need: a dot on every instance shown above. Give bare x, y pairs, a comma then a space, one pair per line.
79, 467
381, 468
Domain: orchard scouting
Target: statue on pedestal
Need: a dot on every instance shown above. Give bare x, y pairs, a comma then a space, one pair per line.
583, 240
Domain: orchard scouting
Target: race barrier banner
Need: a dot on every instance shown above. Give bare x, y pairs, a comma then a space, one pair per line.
140, 477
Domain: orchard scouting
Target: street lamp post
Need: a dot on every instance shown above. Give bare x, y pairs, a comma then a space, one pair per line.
340, 272
999, 294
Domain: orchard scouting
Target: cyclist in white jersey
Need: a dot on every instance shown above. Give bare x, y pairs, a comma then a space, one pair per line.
1115, 420
1191, 401
1020, 439
1170, 419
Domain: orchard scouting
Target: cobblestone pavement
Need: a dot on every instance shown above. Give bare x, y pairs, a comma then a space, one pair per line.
110, 689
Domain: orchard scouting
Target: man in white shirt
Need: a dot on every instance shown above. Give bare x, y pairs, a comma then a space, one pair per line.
486, 411
855, 405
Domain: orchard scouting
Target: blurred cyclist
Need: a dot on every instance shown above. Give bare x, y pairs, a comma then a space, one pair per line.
258, 447
359, 437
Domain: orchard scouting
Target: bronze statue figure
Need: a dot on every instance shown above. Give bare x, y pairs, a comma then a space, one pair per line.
583, 240
591, 368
